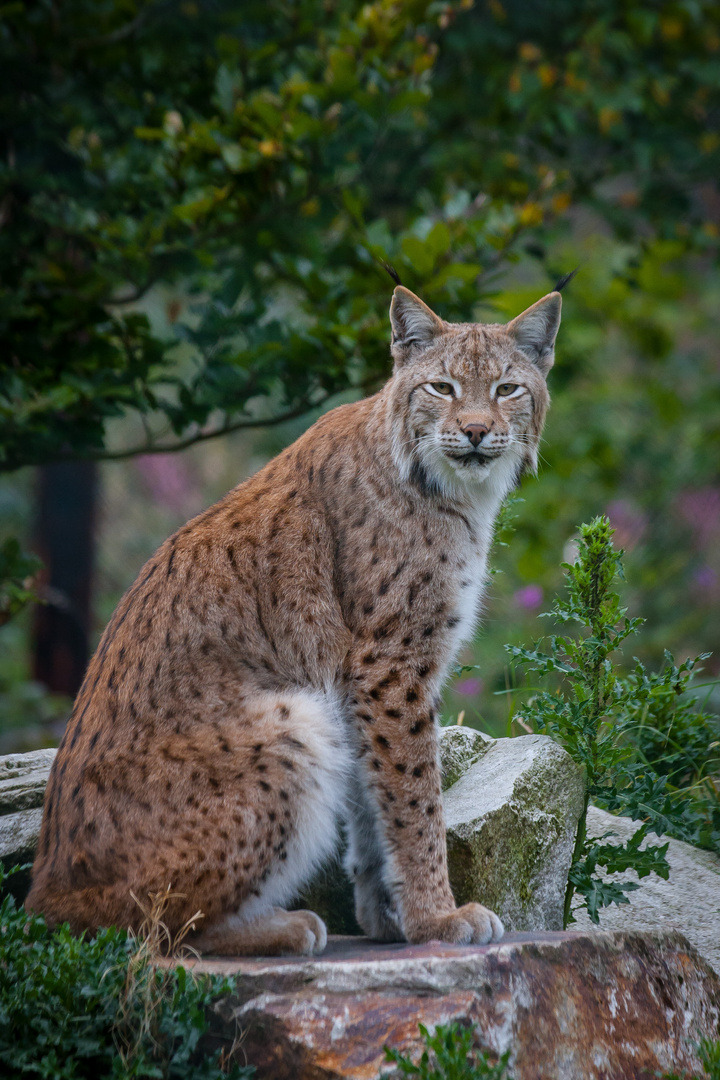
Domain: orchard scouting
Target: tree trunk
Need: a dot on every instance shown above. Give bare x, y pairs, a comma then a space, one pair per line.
65, 541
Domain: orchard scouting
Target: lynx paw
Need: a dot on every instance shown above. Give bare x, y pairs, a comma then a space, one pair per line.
308, 933
471, 924
274, 933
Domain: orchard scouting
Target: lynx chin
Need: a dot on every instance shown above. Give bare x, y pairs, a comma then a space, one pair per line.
276, 667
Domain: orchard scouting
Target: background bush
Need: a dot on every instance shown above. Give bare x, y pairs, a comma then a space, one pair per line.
195, 198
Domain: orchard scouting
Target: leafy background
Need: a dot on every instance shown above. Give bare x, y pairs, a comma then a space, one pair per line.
195, 199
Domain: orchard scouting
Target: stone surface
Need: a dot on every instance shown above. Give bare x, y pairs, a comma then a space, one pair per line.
460, 749
689, 901
511, 820
19, 835
18, 840
598, 1006
23, 778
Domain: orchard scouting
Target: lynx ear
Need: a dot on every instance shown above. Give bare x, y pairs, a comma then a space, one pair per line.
413, 324
536, 329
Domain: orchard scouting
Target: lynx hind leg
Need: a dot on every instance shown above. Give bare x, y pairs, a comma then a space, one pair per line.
247, 808
365, 866
301, 793
275, 932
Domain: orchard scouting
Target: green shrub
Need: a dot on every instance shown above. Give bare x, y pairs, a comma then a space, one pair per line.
78, 1007
645, 749
710, 1057
450, 1054
17, 570
709, 1054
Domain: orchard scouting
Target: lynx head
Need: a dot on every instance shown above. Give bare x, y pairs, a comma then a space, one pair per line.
469, 399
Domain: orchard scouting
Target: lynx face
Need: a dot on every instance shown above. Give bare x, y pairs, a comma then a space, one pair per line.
470, 399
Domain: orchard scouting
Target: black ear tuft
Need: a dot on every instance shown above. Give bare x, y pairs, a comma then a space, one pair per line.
565, 280
391, 271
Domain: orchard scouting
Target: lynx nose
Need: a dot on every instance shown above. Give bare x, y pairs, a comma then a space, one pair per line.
476, 432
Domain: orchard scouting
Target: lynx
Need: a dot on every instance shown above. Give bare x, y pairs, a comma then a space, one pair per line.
276, 667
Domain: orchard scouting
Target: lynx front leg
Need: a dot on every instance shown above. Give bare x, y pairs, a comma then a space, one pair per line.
399, 765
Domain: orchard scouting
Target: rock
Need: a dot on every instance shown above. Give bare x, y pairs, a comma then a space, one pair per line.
19, 836
460, 748
689, 901
511, 820
589, 1006
23, 778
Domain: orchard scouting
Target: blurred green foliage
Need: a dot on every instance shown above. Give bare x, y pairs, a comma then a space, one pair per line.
265, 155
709, 1054
16, 578
242, 168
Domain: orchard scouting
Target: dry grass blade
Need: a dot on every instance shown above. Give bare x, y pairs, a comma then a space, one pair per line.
154, 936
146, 983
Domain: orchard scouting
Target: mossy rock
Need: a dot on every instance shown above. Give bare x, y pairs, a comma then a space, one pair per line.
511, 821
460, 749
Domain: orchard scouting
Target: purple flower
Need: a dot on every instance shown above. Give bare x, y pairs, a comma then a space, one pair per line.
469, 686
168, 478
701, 510
628, 522
706, 578
530, 598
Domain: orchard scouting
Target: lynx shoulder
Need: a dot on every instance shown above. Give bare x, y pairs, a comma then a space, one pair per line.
277, 665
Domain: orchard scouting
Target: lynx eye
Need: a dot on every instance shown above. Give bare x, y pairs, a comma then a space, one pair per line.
440, 389
506, 389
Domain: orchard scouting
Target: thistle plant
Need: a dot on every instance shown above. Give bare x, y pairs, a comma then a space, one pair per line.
608, 721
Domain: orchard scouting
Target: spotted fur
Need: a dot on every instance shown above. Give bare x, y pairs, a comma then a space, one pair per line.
278, 662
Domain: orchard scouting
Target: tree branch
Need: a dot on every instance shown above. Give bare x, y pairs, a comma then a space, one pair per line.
135, 294
202, 436
227, 428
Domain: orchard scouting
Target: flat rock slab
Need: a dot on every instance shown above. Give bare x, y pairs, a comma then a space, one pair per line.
568, 1006
689, 901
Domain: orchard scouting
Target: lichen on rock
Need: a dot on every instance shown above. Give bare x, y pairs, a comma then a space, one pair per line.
511, 820
460, 748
